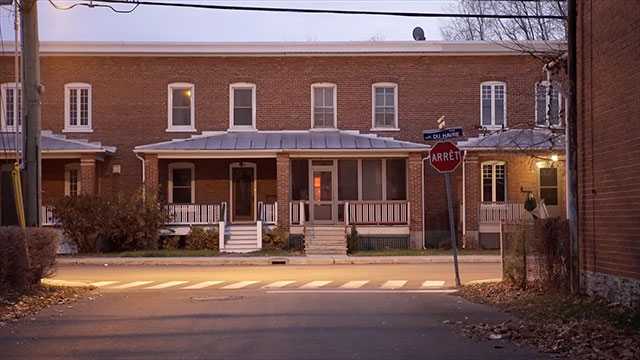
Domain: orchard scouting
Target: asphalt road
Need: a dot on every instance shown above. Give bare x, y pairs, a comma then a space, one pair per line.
257, 323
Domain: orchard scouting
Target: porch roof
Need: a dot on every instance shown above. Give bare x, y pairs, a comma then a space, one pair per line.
54, 143
516, 139
281, 140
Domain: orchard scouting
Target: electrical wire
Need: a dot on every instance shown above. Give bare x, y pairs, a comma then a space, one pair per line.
91, 5
308, 11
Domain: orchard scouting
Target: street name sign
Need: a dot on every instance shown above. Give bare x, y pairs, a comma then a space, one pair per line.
445, 156
442, 134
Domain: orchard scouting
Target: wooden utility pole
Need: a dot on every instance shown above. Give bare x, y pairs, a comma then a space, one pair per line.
31, 91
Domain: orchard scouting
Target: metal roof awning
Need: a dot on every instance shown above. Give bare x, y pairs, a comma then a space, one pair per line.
51, 143
516, 139
271, 142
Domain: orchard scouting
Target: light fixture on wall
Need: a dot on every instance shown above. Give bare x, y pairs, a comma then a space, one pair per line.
554, 157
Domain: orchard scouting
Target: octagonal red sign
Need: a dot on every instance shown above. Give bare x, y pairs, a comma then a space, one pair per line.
445, 156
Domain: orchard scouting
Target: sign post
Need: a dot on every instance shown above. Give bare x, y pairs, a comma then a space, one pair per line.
445, 157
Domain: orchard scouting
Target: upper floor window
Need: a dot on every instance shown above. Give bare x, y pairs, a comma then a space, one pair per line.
72, 179
548, 105
11, 105
242, 106
181, 107
494, 181
323, 106
493, 104
385, 106
77, 104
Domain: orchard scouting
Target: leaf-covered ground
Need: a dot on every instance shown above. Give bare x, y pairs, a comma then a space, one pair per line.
14, 307
577, 327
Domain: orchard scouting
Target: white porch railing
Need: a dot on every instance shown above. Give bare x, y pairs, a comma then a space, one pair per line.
495, 212
376, 212
296, 212
268, 213
47, 216
194, 214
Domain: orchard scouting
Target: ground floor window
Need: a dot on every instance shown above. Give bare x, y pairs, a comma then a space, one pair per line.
72, 180
181, 183
548, 184
494, 181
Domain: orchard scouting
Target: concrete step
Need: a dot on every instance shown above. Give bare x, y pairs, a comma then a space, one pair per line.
328, 242
328, 247
327, 237
339, 231
240, 246
242, 227
326, 252
240, 250
241, 242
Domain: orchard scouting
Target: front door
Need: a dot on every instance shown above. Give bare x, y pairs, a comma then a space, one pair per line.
323, 204
242, 193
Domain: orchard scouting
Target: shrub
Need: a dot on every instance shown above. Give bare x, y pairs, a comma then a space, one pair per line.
200, 238
274, 238
19, 272
169, 242
354, 240
530, 203
82, 219
514, 265
551, 249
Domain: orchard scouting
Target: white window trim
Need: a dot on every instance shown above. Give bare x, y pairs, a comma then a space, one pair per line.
560, 124
67, 108
182, 165
180, 128
6, 86
335, 106
373, 107
242, 85
493, 164
493, 126
67, 178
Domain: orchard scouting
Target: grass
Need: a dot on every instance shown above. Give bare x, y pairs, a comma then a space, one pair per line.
424, 252
183, 253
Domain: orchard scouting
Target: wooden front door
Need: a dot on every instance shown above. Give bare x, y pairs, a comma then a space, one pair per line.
243, 193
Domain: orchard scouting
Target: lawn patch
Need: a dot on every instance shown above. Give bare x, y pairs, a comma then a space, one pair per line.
423, 252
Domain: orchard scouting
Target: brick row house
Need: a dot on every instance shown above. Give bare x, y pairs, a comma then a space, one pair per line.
311, 137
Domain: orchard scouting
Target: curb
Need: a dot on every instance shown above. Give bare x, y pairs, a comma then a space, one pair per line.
279, 260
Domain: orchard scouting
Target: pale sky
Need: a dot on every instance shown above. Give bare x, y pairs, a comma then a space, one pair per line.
153, 23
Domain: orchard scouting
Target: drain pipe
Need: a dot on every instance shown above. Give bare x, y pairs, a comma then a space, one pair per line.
424, 236
143, 177
464, 200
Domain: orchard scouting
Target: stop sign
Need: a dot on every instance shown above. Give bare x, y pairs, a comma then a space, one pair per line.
445, 156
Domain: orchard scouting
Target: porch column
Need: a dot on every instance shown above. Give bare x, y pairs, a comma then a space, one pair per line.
472, 195
415, 200
283, 177
88, 174
151, 174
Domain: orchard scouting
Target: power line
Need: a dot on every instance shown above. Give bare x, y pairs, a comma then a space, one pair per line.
91, 5
307, 11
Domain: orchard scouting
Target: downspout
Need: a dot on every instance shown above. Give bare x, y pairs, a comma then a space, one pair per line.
464, 199
424, 235
143, 177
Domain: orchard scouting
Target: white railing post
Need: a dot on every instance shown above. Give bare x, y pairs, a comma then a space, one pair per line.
259, 233
275, 213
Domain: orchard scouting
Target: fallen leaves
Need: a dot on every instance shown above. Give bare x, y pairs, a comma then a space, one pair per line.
570, 326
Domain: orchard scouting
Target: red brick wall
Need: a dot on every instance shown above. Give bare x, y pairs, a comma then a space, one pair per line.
283, 175
609, 136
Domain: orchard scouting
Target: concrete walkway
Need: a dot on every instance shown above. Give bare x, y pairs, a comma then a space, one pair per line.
270, 260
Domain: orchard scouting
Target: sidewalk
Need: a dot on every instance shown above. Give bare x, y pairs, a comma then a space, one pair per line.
273, 260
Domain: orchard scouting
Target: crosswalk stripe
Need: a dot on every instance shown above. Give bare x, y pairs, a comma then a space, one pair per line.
356, 284
393, 284
166, 285
102, 283
278, 284
433, 283
202, 285
132, 284
239, 285
315, 284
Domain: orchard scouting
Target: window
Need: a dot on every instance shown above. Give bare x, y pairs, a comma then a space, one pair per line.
548, 182
372, 187
181, 183
242, 106
323, 106
299, 179
77, 107
396, 179
385, 106
347, 180
493, 104
11, 103
72, 179
553, 104
494, 181
181, 107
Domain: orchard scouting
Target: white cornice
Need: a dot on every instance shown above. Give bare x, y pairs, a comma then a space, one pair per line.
362, 48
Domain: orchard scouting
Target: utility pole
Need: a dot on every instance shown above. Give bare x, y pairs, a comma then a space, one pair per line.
31, 91
572, 146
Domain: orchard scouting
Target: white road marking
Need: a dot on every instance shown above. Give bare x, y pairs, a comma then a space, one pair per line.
103, 283
393, 284
132, 284
202, 285
166, 285
239, 285
278, 284
356, 284
315, 284
337, 291
433, 283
